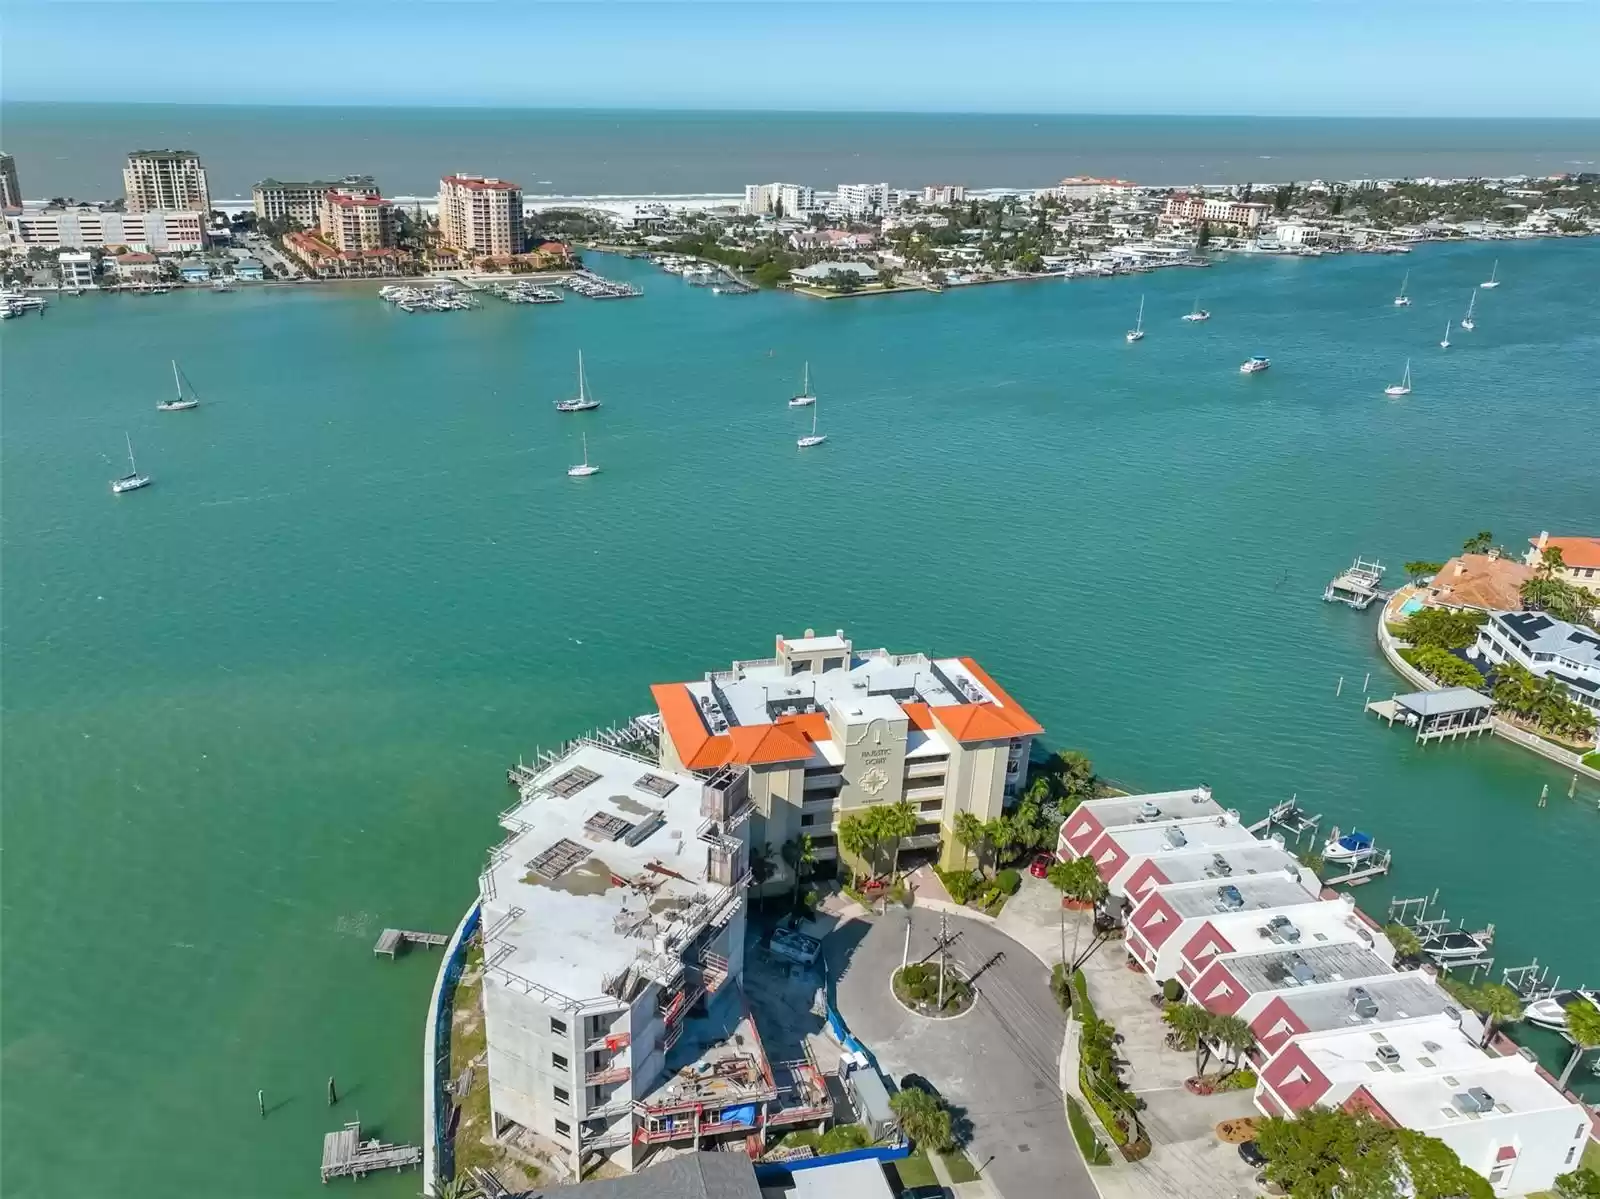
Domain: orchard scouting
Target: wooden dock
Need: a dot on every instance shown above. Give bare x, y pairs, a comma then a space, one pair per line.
392, 940
346, 1155
1359, 875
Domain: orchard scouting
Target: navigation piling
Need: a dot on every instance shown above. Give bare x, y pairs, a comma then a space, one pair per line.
261, 1102
333, 1095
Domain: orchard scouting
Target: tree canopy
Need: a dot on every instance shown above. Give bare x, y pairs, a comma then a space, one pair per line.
1442, 628
1330, 1153
924, 1118
1445, 668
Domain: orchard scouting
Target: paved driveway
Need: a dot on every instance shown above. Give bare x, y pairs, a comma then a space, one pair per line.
999, 1062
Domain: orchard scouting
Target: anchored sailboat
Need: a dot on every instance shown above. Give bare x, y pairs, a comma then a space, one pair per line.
1467, 322
1493, 279
183, 400
583, 470
1198, 314
133, 480
814, 438
584, 402
1402, 300
805, 398
1137, 332
1402, 388
1445, 344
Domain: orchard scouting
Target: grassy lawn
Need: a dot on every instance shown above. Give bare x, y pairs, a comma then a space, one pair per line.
916, 1171
959, 1166
468, 1039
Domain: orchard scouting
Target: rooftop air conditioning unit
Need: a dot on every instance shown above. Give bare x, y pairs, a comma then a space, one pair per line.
1364, 1004
1149, 811
1229, 899
1281, 928
1473, 1102
1301, 972
1176, 839
1388, 1055
1220, 865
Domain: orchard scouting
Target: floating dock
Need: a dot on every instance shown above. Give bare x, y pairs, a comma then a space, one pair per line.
346, 1155
392, 940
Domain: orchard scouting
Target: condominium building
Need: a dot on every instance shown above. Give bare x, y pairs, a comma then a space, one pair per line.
783, 199
480, 216
1195, 210
165, 180
354, 223
942, 195
1167, 928
302, 202
863, 201
614, 911
1085, 187
822, 729
10, 189
84, 227
77, 268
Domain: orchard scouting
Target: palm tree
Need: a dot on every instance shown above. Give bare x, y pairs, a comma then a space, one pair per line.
969, 833
799, 853
1498, 1003
1236, 1039
897, 822
1193, 1027
762, 868
924, 1118
1079, 880
856, 838
459, 1187
1583, 1029
1003, 836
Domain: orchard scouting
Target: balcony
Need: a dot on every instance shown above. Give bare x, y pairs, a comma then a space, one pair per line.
609, 1074
830, 780
926, 768
929, 791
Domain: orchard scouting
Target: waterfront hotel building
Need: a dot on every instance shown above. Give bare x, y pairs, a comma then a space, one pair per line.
165, 181
822, 729
303, 202
480, 217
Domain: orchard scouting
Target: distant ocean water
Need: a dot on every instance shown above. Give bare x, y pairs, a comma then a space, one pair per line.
78, 149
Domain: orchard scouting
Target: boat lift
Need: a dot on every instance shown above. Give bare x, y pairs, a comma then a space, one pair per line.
1531, 982
1425, 927
1291, 818
1358, 585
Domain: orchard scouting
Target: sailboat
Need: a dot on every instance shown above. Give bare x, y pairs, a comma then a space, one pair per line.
583, 470
805, 398
1199, 313
1445, 344
1493, 279
1467, 322
181, 402
1137, 332
133, 480
1402, 300
583, 402
1402, 388
814, 438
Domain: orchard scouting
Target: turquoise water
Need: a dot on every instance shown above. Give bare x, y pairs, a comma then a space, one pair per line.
79, 149
1414, 604
262, 709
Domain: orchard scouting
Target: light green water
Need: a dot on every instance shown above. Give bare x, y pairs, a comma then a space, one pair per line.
262, 709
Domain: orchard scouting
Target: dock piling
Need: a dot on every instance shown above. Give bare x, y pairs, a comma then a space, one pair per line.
1339, 690
333, 1094
261, 1102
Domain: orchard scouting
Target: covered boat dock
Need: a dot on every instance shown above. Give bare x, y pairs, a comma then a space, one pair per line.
1434, 715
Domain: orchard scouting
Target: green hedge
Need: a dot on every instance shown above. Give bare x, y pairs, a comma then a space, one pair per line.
1592, 759
1088, 1144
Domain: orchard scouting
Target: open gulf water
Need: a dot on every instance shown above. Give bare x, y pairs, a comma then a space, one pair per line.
262, 709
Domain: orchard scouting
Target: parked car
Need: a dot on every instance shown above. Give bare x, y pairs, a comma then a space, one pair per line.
1040, 866
1252, 1155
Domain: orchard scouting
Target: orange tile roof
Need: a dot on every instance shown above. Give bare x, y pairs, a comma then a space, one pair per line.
700, 749
758, 743
1575, 551
1001, 720
920, 716
1479, 581
813, 726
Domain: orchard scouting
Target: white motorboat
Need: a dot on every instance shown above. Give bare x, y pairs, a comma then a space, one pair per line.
1402, 300
222, 285
1445, 344
1354, 846
1137, 332
1257, 363
805, 399
1457, 946
1551, 1011
583, 402
183, 401
813, 438
1493, 280
584, 469
1402, 388
1467, 322
133, 480
1199, 313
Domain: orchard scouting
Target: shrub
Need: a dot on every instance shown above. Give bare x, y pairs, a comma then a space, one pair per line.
1008, 881
1172, 990
1582, 1183
1239, 1080
1061, 985
841, 1139
961, 884
1088, 1144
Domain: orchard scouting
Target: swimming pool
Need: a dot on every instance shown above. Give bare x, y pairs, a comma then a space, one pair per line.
1414, 604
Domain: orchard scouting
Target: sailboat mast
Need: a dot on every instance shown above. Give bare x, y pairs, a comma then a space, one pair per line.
580, 375
177, 381
133, 467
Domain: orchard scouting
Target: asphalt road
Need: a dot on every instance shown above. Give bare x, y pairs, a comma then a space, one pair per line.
998, 1063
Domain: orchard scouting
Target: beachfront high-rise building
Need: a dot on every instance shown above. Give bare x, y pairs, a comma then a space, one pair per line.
1194, 210
480, 216
353, 223
783, 199
821, 730
10, 189
165, 180
1085, 187
942, 195
863, 201
302, 202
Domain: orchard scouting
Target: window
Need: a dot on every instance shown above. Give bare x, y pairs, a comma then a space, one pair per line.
559, 1027
563, 1129
561, 1094
808, 820
559, 1062
1571, 1153
832, 663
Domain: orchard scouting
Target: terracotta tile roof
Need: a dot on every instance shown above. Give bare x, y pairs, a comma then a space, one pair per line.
920, 716
754, 744
700, 749
1479, 581
1001, 720
1575, 551
474, 183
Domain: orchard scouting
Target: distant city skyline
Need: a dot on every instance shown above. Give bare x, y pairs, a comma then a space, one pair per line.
1245, 58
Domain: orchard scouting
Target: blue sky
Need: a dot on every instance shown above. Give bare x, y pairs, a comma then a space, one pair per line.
1288, 57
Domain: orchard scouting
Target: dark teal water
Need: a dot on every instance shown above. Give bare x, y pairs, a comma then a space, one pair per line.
260, 710
79, 149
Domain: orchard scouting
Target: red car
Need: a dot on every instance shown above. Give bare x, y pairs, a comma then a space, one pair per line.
1040, 866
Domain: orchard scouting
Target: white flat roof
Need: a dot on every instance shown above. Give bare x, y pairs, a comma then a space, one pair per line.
1426, 1102
1318, 922
1260, 892
1212, 833
1435, 1045
1243, 861
811, 645
594, 918
1120, 810
843, 1180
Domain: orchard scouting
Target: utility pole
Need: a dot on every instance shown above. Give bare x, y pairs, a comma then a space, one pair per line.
944, 940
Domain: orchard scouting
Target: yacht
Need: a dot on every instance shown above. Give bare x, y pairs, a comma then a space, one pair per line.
583, 402
1493, 279
1137, 332
1402, 300
1445, 344
805, 399
1199, 313
583, 470
1352, 847
1467, 322
1257, 363
1457, 946
813, 438
1402, 388
1551, 1011
133, 480
182, 401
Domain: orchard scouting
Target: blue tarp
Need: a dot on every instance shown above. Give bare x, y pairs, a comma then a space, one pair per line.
745, 1115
